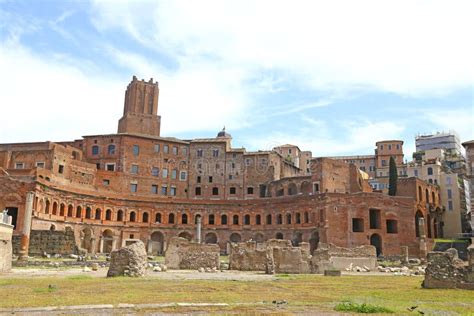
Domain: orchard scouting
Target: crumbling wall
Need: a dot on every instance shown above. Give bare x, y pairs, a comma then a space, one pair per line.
6, 232
49, 241
291, 260
248, 256
446, 271
333, 257
184, 254
128, 261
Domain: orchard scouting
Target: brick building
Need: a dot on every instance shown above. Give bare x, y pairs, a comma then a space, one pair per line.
115, 188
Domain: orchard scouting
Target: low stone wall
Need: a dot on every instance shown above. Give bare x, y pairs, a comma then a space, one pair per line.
291, 260
446, 271
248, 256
183, 254
49, 241
6, 232
333, 257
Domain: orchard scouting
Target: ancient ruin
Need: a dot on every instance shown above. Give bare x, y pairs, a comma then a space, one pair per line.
128, 261
184, 254
6, 231
446, 271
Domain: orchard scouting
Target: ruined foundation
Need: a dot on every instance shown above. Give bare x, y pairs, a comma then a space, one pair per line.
6, 231
128, 261
184, 254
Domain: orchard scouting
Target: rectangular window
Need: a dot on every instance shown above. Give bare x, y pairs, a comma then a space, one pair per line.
199, 153
164, 190
357, 225
184, 151
231, 177
133, 187
136, 150
415, 173
232, 190
97, 165
198, 191
157, 148
61, 169
40, 164
174, 173
19, 165
450, 194
164, 173
173, 191
384, 162
175, 150
166, 149
450, 205
134, 169
215, 153
198, 179
392, 226
182, 176
215, 191
398, 146
374, 218
248, 162
210, 179
250, 190
106, 182
389, 147
110, 166
155, 171
154, 189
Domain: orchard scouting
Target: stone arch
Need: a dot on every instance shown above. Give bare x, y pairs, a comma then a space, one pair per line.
107, 241
376, 241
211, 238
157, 242
186, 235
235, 237
279, 235
145, 217
197, 217
259, 238
306, 188
292, 188
70, 210
62, 209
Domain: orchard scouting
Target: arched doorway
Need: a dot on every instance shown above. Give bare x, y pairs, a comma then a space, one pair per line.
211, 238
259, 238
107, 241
279, 236
185, 235
297, 239
234, 237
376, 241
157, 243
419, 224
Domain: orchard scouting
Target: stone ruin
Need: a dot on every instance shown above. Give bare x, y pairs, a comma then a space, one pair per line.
446, 271
6, 231
183, 254
128, 261
279, 256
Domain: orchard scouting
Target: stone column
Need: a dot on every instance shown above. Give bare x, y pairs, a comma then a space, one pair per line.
423, 250
101, 244
404, 254
150, 247
25, 233
198, 229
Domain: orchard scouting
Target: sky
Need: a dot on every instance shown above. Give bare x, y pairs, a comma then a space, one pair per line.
332, 77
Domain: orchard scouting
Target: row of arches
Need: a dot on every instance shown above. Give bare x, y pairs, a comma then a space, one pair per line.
428, 197
282, 189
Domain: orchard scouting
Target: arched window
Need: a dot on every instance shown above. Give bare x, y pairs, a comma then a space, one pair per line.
95, 150
78, 212
247, 219
119, 216
108, 215
269, 219
288, 219
133, 217
55, 208
46, 208
298, 218
171, 218
258, 219
279, 236
420, 194
111, 149
433, 197
88, 212
210, 219
62, 207
184, 219
70, 210
306, 217
145, 217
223, 219
158, 218
98, 213
235, 220
279, 219
427, 196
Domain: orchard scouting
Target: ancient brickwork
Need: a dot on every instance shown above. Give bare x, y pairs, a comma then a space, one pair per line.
128, 261
183, 254
49, 241
340, 258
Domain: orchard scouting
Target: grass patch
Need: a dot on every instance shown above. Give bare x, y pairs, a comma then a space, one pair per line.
450, 240
361, 308
79, 277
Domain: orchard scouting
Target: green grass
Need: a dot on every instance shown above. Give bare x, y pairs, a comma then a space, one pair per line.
361, 308
302, 292
450, 240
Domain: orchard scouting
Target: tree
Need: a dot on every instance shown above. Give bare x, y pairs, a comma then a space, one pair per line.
393, 176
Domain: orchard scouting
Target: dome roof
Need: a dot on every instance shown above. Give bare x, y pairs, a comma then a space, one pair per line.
223, 133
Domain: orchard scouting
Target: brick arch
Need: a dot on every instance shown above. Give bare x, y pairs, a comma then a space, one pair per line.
62, 209
292, 189
70, 210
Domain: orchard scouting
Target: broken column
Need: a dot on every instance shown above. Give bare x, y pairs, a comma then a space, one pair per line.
25, 232
198, 229
128, 261
404, 255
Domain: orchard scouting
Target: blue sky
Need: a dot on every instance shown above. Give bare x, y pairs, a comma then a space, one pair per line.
332, 77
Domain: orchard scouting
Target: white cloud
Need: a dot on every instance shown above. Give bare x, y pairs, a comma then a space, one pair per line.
407, 47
